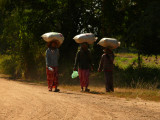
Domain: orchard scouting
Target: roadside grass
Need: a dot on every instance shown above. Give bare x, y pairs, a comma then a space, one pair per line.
145, 94
124, 60
127, 93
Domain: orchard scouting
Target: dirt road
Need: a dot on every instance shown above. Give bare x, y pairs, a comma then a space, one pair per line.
19, 101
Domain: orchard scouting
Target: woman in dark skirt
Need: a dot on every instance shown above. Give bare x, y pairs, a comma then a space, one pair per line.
106, 64
83, 62
52, 55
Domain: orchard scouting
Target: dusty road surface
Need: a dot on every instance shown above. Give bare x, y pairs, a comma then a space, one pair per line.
19, 101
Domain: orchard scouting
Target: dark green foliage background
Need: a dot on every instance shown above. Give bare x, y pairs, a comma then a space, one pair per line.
22, 22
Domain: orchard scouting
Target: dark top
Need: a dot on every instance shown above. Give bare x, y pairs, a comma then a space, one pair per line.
106, 62
52, 57
83, 59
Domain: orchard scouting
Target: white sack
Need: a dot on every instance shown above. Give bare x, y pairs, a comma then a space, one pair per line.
85, 37
109, 42
48, 37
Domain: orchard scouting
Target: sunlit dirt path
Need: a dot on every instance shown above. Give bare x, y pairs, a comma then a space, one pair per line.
20, 101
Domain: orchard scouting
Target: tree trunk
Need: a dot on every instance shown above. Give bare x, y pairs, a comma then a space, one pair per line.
139, 60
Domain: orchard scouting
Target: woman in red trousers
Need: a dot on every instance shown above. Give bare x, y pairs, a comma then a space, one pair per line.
52, 55
83, 62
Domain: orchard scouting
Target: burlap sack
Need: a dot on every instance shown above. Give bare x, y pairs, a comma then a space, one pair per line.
48, 37
109, 42
85, 37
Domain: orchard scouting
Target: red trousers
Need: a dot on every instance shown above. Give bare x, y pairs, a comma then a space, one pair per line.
84, 77
52, 77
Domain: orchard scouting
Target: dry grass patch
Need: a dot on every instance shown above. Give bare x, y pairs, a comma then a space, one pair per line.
128, 93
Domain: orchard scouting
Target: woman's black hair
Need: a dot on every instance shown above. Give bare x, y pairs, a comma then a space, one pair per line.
49, 44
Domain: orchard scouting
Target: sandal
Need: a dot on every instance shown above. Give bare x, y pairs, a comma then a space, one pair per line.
56, 90
87, 90
50, 90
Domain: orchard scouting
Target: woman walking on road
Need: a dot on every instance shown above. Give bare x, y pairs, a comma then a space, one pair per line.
106, 64
83, 62
52, 55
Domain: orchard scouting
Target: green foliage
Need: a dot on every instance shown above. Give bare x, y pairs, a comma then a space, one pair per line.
137, 78
135, 23
144, 31
9, 66
127, 73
